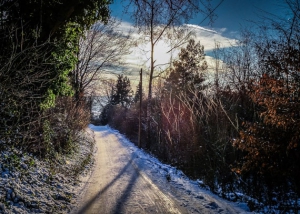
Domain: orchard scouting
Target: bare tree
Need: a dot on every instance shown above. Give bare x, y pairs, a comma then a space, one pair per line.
101, 48
159, 20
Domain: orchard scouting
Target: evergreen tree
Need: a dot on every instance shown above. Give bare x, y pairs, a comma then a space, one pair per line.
187, 72
105, 115
138, 92
122, 92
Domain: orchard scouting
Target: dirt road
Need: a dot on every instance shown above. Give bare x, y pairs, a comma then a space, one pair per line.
119, 183
117, 186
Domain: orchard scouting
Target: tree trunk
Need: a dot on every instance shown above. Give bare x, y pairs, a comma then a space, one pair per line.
150, 79
140, 110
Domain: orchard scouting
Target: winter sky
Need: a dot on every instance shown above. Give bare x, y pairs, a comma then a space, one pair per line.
231, 16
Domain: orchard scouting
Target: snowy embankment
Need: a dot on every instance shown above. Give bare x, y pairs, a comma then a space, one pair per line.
30, 185
187, 193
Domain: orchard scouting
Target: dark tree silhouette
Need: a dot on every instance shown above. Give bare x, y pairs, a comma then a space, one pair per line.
122, 92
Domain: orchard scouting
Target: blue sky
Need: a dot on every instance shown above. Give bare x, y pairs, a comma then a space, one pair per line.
235, 15
231, 14
231, 17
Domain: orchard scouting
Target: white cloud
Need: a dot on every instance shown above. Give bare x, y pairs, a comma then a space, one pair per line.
208, 38
222, 30
200, 28
126, 28
140, 56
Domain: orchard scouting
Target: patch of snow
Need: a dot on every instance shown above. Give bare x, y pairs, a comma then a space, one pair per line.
31, 185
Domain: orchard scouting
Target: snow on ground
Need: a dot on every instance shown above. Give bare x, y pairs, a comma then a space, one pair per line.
32, 185
174, 183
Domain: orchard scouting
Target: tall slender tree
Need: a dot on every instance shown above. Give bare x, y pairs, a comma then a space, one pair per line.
138, 93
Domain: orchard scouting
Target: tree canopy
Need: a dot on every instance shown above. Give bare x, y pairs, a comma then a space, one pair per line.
39, 45
122, 92
48, 19
187, 71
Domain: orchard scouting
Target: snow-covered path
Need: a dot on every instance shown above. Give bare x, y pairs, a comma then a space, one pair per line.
127, 180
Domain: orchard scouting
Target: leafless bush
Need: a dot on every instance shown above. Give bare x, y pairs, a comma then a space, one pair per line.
22, 84
66, 120
25, 121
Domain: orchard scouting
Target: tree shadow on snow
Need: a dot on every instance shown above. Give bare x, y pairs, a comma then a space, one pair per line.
124, 196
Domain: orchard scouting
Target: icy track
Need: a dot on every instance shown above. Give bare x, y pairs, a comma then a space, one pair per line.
125, 179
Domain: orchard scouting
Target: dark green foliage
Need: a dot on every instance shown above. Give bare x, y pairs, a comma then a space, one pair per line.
39, 42
121, 96
54, 25
106, 114
138, 93
187, 72
122, 93
43, 20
